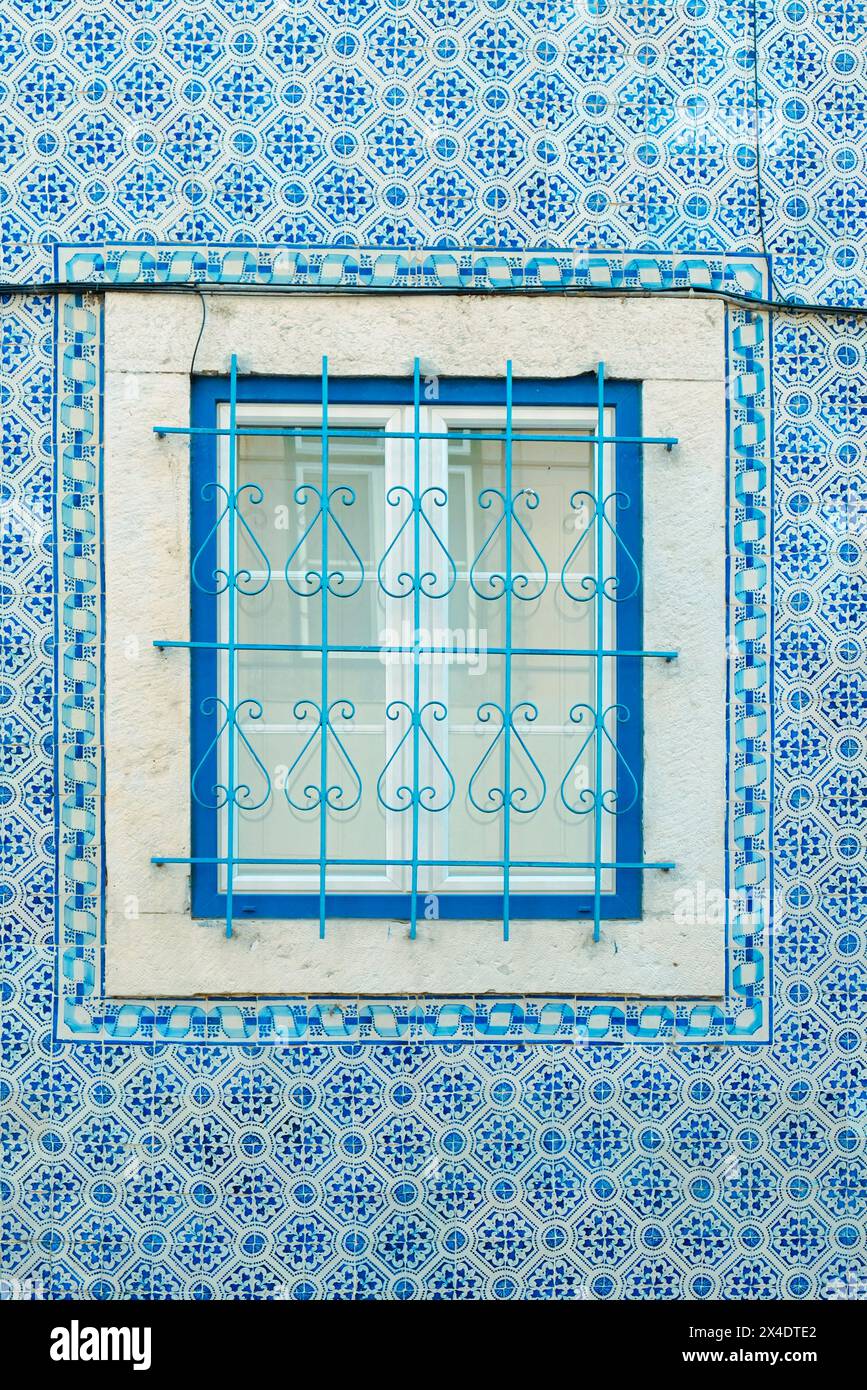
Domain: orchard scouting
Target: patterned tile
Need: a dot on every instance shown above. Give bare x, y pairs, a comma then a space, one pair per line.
362, 1159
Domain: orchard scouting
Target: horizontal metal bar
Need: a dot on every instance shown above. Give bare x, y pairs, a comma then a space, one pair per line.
422, 649
350, 432
422, 863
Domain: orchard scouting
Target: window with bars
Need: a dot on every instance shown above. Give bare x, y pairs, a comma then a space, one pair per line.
416, 649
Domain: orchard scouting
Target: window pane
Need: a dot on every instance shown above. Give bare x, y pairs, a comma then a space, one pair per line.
367, 725
279, 605
550, 611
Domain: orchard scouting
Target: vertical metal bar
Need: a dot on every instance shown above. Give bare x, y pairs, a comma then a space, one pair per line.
416, 626
323, 693
231, 694
507, 697
598, 495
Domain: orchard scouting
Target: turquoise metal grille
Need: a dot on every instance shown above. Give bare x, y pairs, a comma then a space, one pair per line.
595, 724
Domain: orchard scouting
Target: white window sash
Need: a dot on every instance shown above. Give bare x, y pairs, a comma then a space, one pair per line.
434, 675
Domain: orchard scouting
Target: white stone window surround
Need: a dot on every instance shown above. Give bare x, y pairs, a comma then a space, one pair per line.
675, 350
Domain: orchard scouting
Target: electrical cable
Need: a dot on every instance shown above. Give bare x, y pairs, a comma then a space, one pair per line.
740, 301
204, 300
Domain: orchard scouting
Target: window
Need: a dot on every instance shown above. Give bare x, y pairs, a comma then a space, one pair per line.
417, 662
442, 925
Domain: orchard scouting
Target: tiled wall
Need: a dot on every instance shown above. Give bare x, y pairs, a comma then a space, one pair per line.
177, 1166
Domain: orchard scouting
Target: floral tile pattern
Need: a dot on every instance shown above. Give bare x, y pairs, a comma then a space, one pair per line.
181, 1167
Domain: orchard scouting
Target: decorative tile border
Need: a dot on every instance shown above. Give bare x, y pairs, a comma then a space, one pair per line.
372, 268
82, 1012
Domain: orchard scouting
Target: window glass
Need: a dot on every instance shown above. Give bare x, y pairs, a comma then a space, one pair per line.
462, 692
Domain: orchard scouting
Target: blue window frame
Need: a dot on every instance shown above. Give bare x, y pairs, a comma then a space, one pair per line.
608, 510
